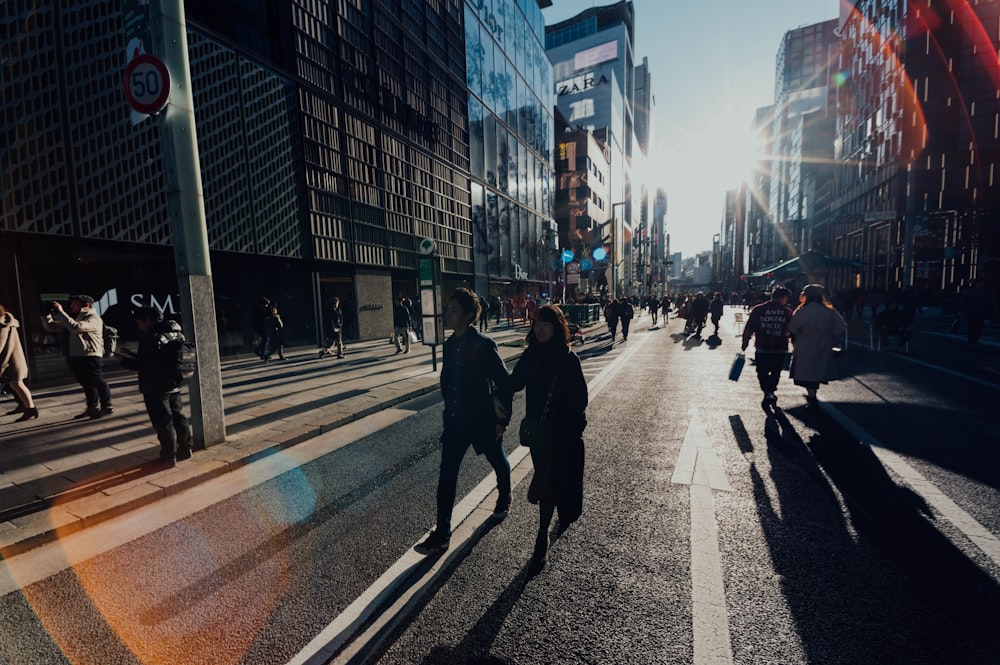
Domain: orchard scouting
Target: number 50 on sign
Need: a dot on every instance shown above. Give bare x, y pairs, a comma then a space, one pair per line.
147, 84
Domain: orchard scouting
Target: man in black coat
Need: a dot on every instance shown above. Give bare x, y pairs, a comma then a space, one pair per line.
477, 405
160, 381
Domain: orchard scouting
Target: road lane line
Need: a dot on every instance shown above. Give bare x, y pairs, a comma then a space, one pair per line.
982, 537
699, 467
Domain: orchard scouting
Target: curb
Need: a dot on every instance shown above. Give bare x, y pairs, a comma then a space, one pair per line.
62, 518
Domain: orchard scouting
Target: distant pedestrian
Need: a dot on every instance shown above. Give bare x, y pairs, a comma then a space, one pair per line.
510, 311
611, 316
160, 381
977, 306
815, 327
654, 308
336, 344
768, 323
496, 307
626, 312
556, 396
698, 313
484, 317
14, 366
258, 320
86, 351
715, 309
274, 332
477, 406
402, 322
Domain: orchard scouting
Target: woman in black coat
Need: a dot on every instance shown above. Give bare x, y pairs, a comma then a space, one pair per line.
551, 374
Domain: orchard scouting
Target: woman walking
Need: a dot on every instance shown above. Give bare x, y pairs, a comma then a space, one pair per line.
556, 395
815, 327
14, 366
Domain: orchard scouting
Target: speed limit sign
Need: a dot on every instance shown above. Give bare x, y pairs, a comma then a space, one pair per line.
147, 83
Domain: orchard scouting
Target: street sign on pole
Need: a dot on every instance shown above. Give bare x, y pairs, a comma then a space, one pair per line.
147, 83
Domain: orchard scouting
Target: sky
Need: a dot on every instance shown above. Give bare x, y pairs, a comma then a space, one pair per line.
712, 67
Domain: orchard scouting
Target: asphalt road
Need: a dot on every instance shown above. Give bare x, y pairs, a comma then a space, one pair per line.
712, 533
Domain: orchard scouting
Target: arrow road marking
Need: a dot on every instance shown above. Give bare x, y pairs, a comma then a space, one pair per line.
699, 467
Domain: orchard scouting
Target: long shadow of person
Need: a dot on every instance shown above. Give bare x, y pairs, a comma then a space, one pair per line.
849, 603
475, 646
894, 519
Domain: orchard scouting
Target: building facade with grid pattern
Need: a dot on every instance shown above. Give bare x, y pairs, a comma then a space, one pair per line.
333, 137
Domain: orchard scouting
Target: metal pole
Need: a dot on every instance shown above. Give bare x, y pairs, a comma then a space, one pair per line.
187, 221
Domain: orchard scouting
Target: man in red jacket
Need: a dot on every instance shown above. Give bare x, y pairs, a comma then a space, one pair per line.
768, 321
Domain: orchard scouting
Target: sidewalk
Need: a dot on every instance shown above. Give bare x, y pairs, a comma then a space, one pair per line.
59, 475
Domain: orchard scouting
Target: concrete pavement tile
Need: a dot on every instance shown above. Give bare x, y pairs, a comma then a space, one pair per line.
187, 474
37, 529
25, 474
100, 507
133, 445
18, 495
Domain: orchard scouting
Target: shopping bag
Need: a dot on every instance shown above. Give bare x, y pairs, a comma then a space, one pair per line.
737, 368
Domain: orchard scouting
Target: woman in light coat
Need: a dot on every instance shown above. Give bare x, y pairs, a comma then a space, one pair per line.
14, 366
816, 327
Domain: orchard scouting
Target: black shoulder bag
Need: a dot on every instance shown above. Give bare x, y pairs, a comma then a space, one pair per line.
534, 431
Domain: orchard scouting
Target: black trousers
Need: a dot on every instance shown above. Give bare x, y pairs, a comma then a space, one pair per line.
89, 373
453, 447
769, 366
168, 420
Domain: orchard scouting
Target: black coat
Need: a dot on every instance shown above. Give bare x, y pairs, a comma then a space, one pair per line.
483, 377
156, 366
559, 468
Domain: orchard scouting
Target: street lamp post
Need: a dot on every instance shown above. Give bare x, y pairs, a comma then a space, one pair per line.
614, 248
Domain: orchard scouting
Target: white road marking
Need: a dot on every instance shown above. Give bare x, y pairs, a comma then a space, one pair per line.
697, 454
963, 521
52, 558
945, 370
698, 466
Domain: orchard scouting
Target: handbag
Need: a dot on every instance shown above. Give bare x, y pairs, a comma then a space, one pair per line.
737, 367
533, 430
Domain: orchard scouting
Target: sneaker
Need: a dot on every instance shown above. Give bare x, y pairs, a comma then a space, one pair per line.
438, 541
92, 412
107, 410
183, 454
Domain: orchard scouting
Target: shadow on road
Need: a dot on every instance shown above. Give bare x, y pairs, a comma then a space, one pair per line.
927, 601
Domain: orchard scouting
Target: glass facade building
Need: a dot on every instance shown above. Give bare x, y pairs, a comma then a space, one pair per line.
333, 137
509, 80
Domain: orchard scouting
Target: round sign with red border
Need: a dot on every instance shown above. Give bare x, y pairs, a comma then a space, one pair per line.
147, 83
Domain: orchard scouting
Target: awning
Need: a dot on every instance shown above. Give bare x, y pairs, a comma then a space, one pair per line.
811, 264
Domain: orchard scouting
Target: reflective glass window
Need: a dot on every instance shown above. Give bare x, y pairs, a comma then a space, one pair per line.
473, 53
502, 90
476, 147
490, 148
503, 158
489, 73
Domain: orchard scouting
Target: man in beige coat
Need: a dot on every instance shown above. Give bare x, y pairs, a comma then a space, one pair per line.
86, 351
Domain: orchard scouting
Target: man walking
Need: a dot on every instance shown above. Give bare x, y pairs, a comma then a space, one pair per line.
336, 331
769, 323
86, 351
402, 323
477, 405
160, 380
